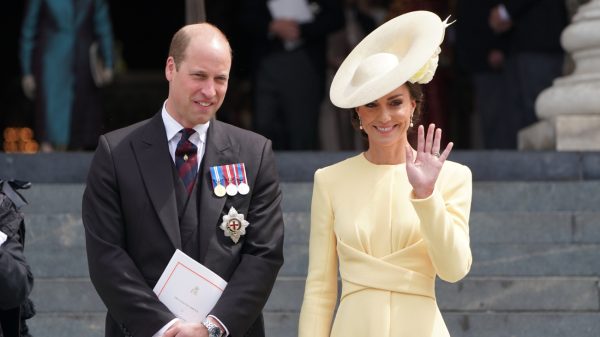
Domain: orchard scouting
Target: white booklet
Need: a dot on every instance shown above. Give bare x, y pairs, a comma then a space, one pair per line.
189, 289
297, 10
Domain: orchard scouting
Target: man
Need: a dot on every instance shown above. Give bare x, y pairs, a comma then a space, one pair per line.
139, 204
289, 68
16, 280
534, 59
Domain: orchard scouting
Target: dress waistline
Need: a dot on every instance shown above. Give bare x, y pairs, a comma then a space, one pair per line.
360, 271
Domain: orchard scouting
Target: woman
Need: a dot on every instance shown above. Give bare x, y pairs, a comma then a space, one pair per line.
393, 217
56, 40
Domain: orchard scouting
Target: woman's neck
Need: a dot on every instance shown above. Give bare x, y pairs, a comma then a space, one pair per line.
386, 155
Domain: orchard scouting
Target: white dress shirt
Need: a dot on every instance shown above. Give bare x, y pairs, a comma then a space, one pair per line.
173, 128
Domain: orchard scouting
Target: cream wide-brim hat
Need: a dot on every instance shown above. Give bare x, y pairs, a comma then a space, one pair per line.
403, 49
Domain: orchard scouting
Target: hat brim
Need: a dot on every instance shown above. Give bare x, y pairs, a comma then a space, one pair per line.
412, 37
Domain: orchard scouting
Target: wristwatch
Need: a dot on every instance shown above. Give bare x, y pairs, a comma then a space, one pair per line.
213, 329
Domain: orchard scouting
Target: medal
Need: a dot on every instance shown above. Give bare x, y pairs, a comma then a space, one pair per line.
243, 187
234, 225
218, 188
220, 191
231, 188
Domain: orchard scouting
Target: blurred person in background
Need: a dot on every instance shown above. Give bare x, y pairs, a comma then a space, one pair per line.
534, 56
481, 55
335, 126
56, 51
288, 63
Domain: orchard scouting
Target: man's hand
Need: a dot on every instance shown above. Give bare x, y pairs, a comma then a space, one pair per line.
496, 58
498, 22
285, 29
107, 76
28, 85
185, 329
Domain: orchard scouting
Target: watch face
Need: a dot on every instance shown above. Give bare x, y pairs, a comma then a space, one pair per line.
214, 332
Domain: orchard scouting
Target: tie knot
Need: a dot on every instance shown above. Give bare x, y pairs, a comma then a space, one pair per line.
186, 133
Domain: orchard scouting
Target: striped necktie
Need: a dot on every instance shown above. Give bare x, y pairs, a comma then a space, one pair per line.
186, 159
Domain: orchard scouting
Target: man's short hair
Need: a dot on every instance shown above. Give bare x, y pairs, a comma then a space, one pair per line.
182, 38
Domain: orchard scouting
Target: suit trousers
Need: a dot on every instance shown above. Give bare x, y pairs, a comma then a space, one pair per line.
288, 94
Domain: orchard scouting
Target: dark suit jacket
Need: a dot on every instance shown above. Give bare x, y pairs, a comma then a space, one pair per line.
131, 226
537, 25
255, 18
474, 37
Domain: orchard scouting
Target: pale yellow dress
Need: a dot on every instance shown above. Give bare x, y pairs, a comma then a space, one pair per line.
390, 248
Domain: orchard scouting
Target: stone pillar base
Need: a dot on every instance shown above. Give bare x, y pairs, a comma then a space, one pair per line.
562, 133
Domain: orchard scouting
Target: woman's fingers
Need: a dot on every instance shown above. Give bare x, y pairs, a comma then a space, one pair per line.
420, 139
435, 150
429, 138
446, 152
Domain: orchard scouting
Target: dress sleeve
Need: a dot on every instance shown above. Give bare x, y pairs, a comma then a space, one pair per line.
103, 31
320, 294
444, 218
28, 35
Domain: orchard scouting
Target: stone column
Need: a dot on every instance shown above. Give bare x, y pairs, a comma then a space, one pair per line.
569, 111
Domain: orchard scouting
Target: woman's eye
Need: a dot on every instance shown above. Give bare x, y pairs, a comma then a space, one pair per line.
371, 105
396, 103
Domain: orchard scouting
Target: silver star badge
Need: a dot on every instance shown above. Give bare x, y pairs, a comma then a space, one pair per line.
234, 225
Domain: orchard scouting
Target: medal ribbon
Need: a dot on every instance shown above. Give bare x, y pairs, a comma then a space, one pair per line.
221, 173
235, 174
216, 179
242, 173
228, 175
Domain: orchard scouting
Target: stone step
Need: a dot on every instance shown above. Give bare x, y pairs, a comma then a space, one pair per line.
497, 227
501, 242
283, 324
460, 324
473, 294
83, 324
72, 167
487, 197
494, 196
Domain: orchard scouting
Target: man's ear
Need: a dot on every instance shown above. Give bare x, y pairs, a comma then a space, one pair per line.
170, 68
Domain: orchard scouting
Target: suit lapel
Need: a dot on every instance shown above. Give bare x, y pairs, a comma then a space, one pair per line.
152, 153
219, 151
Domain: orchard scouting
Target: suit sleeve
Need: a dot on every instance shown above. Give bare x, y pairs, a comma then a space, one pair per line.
262, 254
444, 220
517, 8
121, 286
320, 293
328, 20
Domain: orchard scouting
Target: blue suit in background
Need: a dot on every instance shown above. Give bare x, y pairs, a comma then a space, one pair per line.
55, 42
